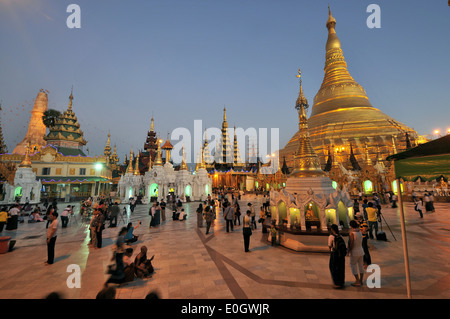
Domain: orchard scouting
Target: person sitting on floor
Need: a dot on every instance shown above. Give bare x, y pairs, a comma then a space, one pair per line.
143, 266
128, 263
182, 215
130, 237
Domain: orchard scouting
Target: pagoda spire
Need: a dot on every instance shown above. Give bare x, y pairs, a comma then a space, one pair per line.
183, 166
136, 168
70, 99
306, 161
107, 150
114, 159
151, 125
130, 163
26, 161
339, 89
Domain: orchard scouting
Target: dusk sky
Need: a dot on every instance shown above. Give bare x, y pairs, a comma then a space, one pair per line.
184, 60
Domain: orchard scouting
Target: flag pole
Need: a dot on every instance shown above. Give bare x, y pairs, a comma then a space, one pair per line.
405, 247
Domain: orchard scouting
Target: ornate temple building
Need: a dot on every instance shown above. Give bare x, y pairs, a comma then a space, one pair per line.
57, 159
225, 166
163, 181
347, 132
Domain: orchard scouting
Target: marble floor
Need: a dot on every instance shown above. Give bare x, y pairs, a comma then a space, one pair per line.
192, 265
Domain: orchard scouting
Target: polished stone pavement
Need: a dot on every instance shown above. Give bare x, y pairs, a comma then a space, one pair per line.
192, 265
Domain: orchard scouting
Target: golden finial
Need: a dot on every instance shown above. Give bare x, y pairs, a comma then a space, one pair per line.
151, 126
224, 114
331, 22
301, 102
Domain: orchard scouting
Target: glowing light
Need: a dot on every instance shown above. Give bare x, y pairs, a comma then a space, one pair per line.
98, 166
436, 132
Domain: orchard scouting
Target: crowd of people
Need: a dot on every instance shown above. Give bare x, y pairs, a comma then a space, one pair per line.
125, 268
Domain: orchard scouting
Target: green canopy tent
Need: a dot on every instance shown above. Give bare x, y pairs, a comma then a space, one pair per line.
428, 161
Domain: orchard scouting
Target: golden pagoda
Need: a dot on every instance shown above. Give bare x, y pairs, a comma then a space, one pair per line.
36, 127
342, 114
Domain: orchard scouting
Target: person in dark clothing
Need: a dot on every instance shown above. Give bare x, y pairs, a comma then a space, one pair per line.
338, 251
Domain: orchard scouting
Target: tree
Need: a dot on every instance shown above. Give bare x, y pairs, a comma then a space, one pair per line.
50, 116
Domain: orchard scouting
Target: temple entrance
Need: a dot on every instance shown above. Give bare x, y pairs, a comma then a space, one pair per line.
282, 213
153, 192
188, 192
368, 187
343, 214
18, 193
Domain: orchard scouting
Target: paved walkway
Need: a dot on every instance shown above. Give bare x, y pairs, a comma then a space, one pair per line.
192, 265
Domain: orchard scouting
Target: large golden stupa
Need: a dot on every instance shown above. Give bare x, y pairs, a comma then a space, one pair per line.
343, 119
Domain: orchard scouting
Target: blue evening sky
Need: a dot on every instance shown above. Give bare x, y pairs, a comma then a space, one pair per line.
184, 60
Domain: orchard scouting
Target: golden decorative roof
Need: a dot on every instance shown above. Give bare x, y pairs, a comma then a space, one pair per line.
167, 145
66, 127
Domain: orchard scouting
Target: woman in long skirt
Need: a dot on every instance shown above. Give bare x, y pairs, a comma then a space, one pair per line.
337, 257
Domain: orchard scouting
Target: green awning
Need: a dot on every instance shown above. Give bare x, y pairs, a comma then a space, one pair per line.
427, 162
427, 168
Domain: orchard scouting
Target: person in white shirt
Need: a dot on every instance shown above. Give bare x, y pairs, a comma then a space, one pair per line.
65, 216
51, 238
13, 219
